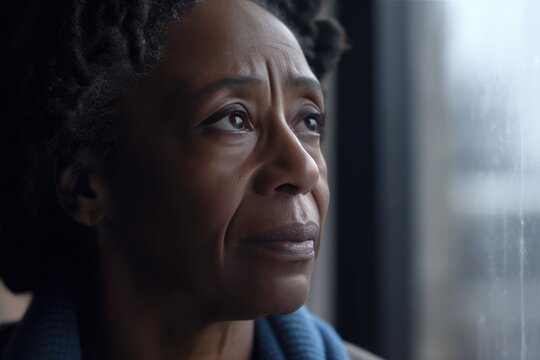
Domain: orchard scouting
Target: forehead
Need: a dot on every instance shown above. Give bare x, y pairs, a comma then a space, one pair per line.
229, 38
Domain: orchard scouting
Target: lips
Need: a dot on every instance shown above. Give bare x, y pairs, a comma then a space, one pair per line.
296, 240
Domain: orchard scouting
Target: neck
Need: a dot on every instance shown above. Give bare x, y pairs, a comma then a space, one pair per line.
139, 324
139, 334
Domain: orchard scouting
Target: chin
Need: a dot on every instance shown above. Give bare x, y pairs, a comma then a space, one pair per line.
278, 295
289, 294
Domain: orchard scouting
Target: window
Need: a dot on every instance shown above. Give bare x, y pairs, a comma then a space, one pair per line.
458, 122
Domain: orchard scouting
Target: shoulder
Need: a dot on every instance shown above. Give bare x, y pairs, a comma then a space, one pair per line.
356, 353
6, 330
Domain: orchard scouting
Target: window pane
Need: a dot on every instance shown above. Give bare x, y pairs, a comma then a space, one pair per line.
475, 84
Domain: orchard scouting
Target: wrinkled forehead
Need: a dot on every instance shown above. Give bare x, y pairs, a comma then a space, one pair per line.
232, 37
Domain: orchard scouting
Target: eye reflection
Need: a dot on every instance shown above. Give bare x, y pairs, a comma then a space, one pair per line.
232, 121
311, 123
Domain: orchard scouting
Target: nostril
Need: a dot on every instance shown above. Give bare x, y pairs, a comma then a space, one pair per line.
287, 188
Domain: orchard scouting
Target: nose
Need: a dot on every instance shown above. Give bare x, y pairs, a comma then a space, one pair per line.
287, 166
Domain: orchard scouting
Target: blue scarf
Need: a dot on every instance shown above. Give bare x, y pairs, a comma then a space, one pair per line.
49, 331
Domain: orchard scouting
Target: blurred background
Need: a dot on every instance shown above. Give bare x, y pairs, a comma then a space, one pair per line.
432, 246
438, 179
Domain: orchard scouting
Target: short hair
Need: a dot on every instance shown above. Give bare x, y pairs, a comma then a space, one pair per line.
64, 66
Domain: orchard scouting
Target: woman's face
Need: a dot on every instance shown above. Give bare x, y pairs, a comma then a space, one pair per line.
224, 192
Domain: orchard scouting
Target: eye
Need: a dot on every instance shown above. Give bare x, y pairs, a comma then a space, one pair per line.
311, 123
230, 120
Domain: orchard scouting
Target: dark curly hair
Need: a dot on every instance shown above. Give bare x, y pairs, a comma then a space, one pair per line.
65, 65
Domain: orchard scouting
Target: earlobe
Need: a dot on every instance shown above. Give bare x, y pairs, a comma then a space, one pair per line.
81, 192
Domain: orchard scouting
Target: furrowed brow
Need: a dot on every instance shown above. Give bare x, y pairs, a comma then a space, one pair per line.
305, 81
237, 81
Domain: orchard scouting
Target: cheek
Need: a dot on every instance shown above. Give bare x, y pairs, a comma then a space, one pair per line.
321, 193
177, 212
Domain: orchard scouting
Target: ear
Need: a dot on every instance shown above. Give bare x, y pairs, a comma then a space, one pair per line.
82, 190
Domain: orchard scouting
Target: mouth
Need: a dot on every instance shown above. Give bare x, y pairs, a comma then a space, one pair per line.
295, 241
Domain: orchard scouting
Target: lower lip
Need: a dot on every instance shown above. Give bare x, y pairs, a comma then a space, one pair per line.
303, 249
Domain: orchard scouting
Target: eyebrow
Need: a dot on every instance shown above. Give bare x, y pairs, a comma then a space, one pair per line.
237, 81
241, 81
305, 81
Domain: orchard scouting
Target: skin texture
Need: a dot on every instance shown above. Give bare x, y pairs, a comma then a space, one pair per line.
178, 282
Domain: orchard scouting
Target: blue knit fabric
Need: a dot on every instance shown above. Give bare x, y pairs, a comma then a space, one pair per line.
297, 336
49, 331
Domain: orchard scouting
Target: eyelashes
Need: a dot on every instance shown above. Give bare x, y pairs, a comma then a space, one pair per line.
312, 122
237, 119
231, 120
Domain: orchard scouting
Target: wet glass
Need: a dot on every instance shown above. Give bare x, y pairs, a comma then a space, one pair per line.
475, 141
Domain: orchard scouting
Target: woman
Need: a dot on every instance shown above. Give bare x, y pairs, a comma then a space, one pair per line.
166, 188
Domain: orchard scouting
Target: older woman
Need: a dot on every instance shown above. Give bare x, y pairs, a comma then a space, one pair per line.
165, 190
